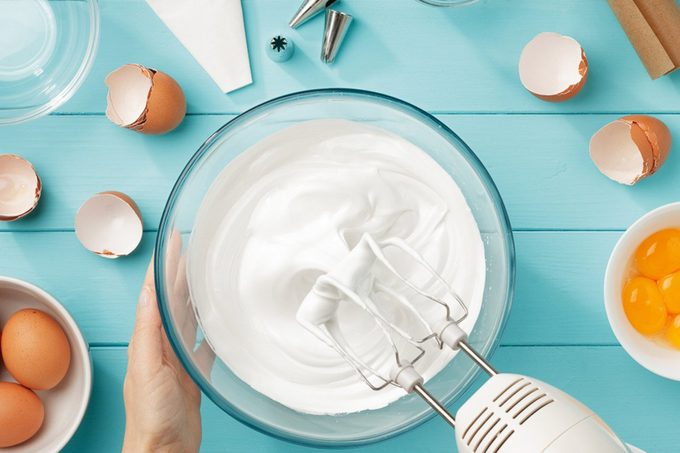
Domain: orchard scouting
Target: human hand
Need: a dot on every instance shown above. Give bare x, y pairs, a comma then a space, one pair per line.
162, 404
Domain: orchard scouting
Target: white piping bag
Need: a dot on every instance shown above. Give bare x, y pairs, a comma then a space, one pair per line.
214, 34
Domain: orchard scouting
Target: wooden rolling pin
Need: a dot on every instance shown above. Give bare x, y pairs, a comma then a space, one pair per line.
653, 27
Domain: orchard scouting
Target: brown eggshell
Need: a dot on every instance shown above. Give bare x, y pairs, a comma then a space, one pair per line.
129, 88
572, 90
649, 156
631, 148
658, 136
144, 100
109, 224
21, 414
553, 67
166, 107
27, 187
35, 349
616, 154
127, 199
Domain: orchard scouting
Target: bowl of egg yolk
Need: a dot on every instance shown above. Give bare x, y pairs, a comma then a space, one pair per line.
642, 291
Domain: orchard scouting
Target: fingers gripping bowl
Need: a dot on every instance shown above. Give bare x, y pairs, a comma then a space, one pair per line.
183, 322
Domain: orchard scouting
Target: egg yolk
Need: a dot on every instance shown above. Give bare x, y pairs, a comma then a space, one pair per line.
644, 306
659, 254
673, 332
670, 290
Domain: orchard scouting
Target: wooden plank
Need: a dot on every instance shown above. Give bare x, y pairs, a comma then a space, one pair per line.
639, 406
459, 59
558, 298
77, 157
544, 173
100, 294
539, 162
455, 61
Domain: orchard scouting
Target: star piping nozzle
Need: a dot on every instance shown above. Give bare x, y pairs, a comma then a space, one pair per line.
280, 48
309, 9
334, 33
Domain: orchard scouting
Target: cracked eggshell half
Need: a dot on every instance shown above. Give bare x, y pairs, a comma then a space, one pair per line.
553, 67
20, 187
144, 100
109, 224
630, 148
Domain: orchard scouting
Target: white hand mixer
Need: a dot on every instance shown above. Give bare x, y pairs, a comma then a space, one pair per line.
509, 413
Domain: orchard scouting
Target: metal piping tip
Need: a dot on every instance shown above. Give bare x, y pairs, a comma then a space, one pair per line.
333, 34
309, 9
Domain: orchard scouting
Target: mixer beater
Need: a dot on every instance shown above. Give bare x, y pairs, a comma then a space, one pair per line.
509, 413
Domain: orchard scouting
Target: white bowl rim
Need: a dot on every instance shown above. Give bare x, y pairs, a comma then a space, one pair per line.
81, 346
634, 343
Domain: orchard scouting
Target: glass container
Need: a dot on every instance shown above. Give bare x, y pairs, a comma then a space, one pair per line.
214, 377
447, 2
46, 50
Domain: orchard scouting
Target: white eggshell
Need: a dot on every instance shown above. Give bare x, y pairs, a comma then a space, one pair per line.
20, 187
551, 65
129, 89
616, 155
109, 224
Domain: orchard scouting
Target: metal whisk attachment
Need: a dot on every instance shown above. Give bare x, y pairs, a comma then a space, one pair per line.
354, 281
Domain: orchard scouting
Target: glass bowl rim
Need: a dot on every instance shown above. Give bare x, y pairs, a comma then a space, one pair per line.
447, 3
78, 78
163, 229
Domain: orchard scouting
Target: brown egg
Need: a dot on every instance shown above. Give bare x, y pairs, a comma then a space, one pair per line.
21, 414
35, 349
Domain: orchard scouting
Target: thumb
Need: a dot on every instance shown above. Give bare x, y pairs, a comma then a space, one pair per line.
147, 338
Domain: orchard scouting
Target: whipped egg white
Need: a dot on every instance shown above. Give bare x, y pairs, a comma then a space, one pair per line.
286, 211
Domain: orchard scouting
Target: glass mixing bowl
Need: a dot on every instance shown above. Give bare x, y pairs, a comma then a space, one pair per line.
180, 320
46, 50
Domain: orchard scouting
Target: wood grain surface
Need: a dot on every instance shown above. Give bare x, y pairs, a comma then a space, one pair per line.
460, 64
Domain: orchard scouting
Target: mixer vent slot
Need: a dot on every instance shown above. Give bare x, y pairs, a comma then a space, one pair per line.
467, 430
513, 390
506, 389
483, 435
537, 407
494, 438
521, 400
502, 442
487, 433
482, 426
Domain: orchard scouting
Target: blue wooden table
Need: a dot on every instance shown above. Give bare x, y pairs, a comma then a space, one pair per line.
460, 64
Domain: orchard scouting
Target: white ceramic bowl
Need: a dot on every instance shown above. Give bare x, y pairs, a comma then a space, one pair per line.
65, 404
657, 358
